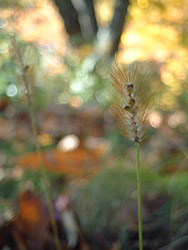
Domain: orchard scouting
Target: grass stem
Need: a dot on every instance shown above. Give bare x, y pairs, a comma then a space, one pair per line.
44, 177
42, 167
139, 196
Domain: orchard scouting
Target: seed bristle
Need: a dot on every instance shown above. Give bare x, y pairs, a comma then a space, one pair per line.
129, 100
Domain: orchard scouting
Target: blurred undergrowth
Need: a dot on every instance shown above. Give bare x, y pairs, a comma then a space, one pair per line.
108, 203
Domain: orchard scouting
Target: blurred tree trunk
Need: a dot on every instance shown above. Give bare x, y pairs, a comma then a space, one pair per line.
79, 18
91, 11
117, 23
86, 16
69, 15
108, 38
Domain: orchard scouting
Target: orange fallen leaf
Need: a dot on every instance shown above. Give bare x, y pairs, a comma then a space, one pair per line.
80, 162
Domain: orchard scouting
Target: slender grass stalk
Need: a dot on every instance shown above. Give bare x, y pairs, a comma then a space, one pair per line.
129, 99
184, 151
139, 196
44, 177
26, 83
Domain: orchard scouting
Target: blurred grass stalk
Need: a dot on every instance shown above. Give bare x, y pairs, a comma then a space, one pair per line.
26, 82
129, 100
44, 176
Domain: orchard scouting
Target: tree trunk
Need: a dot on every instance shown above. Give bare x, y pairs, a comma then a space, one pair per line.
69, 15
79, 17
86, 16
91, 12
117, 23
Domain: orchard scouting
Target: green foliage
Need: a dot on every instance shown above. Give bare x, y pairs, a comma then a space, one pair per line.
86, 78
11, 86
9, 188
178, 187
119, 143
17, 3
34, 178
7, 66
99, 204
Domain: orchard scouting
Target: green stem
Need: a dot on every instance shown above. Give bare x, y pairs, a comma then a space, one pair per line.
139, 196
42, 167
38, 149
44, 177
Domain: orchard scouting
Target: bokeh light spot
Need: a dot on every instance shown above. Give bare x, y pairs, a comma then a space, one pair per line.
11, 90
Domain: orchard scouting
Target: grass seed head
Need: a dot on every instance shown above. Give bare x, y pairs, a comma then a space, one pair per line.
129, 100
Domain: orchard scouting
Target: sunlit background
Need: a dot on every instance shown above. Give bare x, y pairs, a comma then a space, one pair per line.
69, 51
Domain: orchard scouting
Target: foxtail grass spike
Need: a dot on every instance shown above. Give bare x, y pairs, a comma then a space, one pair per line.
129, 99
